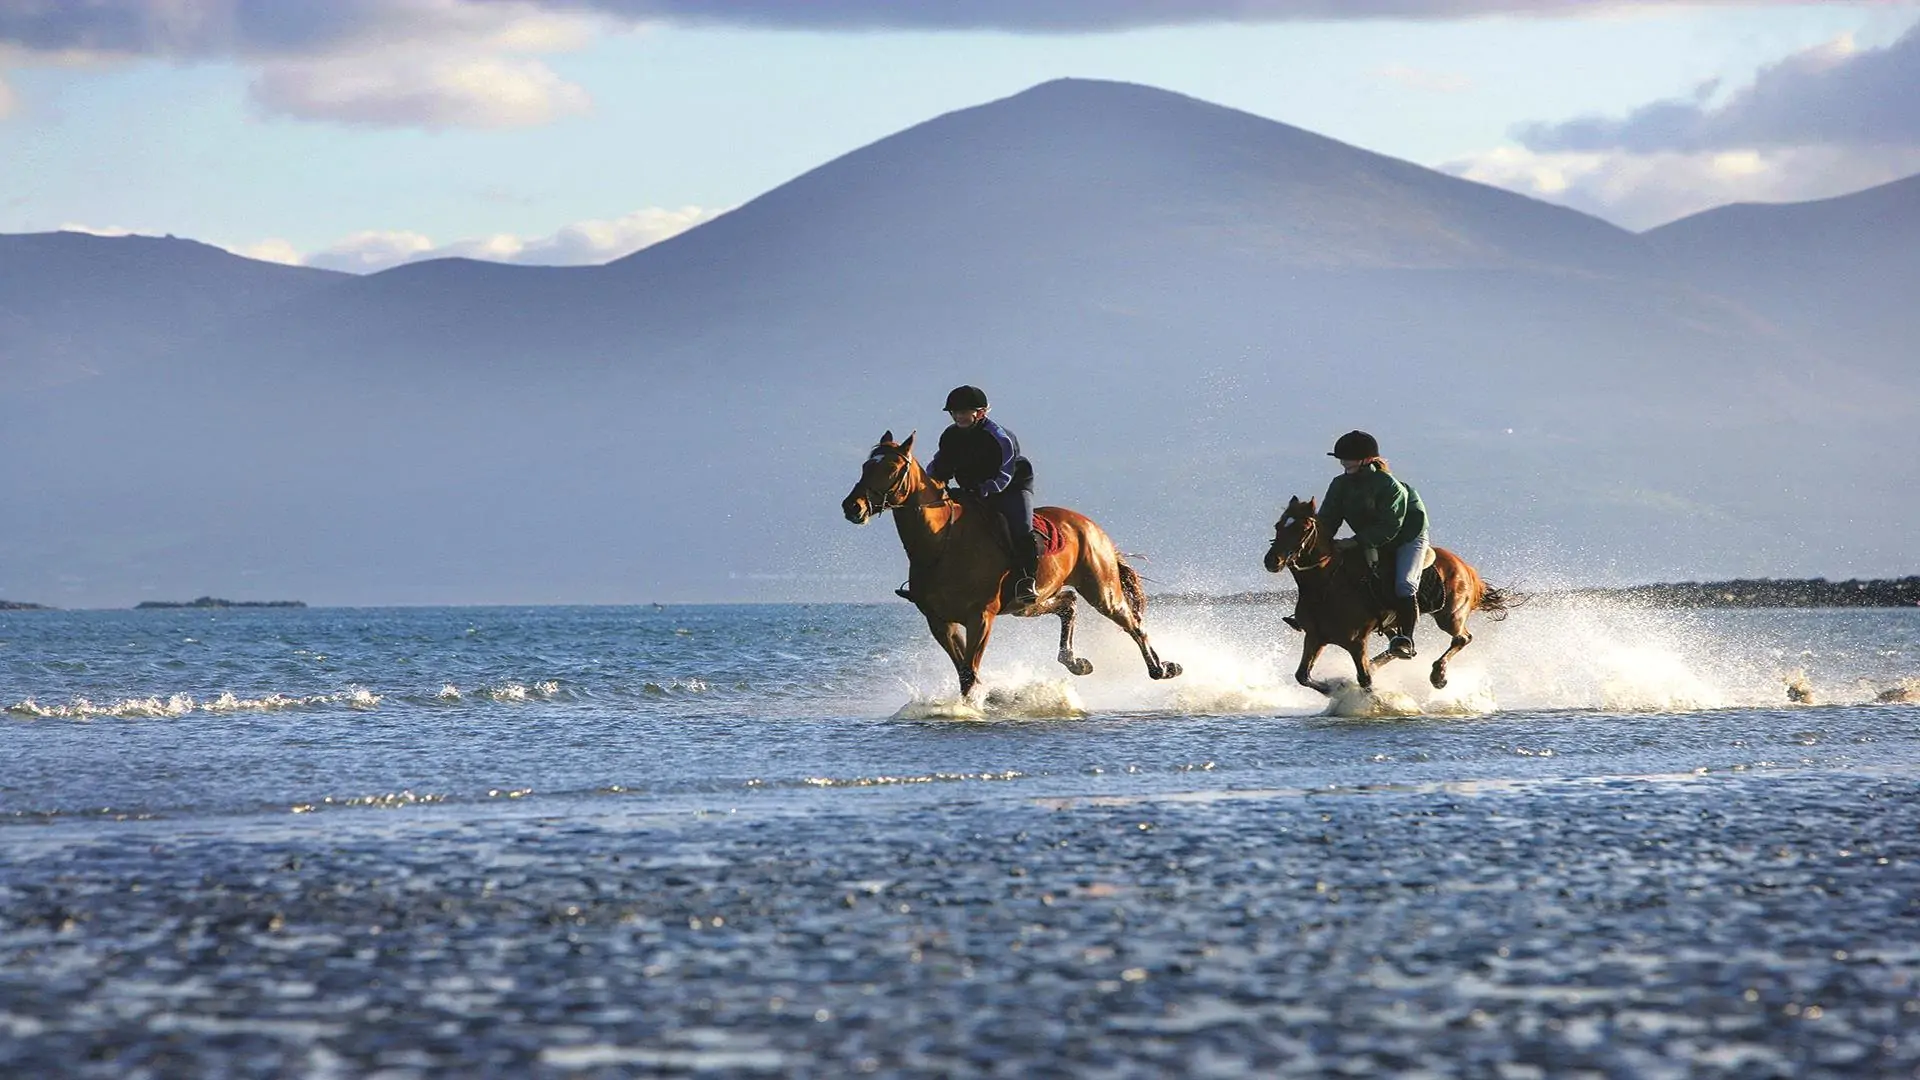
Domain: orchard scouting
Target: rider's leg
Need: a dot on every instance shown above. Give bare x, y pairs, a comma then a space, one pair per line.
1016, 505
1406, 590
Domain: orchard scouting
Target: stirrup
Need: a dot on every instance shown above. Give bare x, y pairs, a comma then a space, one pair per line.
904, 592
1401, 646
1293, 622
1026, 591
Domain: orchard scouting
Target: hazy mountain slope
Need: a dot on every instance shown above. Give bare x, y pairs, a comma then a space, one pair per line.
73, 304
1843, 272
1177, 306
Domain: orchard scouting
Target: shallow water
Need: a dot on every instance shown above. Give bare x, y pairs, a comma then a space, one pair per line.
583, 841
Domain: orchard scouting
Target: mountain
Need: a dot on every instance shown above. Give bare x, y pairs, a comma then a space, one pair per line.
1176, 305
73, 305
1841, 271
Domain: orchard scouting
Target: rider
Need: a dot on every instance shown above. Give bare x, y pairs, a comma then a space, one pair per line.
984, 459
1387, 518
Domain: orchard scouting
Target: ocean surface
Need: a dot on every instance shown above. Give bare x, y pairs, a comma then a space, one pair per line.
767, 840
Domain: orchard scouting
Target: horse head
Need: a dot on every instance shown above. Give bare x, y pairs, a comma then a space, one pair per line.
886, 480
1293, 535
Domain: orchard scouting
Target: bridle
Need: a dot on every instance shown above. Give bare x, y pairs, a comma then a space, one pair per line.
1308, 531
894, 496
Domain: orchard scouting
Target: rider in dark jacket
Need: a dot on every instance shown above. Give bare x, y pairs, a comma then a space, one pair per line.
984, 460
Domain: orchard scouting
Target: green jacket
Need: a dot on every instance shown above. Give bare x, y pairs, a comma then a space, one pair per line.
1384, 512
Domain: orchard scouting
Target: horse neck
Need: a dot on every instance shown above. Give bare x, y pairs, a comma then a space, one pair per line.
923, 529
1318, 576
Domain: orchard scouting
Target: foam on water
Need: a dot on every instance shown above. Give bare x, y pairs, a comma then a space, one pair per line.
1350, 701
175, 706
1037, 700
1591, 655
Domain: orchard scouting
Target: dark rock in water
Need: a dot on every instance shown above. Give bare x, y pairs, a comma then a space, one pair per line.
1907, 694
216, 602
17, 605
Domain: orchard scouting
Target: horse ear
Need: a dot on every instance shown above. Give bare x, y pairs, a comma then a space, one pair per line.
907, 447
888, 437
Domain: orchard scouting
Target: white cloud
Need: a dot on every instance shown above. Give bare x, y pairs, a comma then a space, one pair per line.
583, 243
272, 249
371, 250
101, 230
1639, 191
1832, 94
419, 91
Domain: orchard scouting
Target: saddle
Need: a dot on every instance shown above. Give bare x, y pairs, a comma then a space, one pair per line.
1048, 536
1430, 596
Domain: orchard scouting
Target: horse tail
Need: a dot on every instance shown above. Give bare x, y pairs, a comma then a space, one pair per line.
1499, 603
1130, 588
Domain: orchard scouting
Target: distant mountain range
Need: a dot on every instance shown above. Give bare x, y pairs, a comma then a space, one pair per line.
1176, 305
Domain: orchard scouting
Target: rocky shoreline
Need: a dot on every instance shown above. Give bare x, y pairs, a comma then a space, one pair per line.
1738, 593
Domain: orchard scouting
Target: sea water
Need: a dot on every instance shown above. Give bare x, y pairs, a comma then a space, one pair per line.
773, 840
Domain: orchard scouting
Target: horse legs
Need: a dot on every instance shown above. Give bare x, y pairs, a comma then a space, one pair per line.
1454, 622
1108, 601
1303, 675
952, 638
1063, 604
978, 629
1363, 669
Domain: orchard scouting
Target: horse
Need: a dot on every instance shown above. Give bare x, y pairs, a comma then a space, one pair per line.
960, 574
1338, 605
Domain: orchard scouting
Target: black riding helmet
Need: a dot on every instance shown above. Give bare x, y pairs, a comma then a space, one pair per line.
966, 398
1355, 446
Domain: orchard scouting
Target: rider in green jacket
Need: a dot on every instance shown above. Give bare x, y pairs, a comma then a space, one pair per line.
1388, 519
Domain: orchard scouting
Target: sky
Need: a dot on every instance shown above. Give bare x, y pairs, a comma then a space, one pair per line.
360, 134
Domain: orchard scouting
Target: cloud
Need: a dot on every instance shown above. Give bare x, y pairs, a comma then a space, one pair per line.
1831, 95
229, 29
396, 63
272, 249
1078, 16
7, 100
207, 29
583, 243
427, 92
1639, 191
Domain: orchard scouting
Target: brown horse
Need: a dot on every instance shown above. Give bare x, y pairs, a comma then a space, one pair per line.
1337, 604
961, 576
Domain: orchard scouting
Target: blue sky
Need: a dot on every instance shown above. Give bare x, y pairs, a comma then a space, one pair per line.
360, 133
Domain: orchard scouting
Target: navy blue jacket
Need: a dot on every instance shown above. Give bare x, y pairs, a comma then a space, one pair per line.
984, 459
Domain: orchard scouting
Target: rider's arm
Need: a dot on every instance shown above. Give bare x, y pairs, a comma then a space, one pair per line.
1328, 518
937, 468
1008, 454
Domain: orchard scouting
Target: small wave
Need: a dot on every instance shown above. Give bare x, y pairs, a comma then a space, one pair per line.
175, 706
388, 801
513, 691
1350, 701
895, 781
1055, 700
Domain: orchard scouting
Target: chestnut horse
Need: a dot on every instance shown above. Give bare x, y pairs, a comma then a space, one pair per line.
961, 576
1337, 602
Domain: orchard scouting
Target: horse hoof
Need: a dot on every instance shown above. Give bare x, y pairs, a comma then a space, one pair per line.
1170, 670
1080, 665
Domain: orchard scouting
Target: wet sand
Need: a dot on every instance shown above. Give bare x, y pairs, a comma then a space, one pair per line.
1742, 926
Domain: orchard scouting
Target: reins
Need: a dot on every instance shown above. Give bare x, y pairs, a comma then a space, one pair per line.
1292, 562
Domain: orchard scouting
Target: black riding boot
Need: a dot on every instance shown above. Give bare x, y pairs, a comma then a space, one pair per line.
1406, 613
1026, 559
